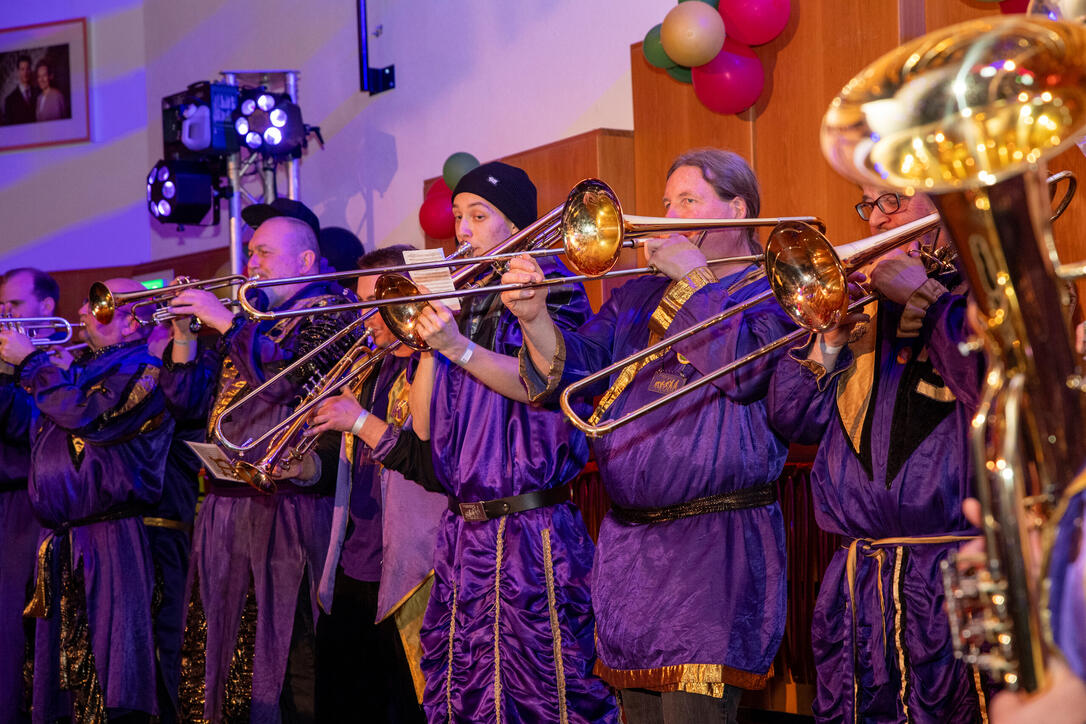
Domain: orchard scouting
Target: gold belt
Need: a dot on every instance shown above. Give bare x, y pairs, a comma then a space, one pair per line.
167, 523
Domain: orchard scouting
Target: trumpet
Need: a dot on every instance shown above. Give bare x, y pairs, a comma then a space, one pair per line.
34, 326
103, 303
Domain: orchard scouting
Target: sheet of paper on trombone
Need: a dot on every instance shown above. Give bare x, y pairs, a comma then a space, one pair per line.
215, 461
436, 280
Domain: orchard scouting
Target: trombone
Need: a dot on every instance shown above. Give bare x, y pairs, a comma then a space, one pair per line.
103, 303
808, 279
32, 325
597, 240
593, 231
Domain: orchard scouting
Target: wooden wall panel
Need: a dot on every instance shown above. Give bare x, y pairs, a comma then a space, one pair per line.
74, 284
668, 120
941, 13
808, 64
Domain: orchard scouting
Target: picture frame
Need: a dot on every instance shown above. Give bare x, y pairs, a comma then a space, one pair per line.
44, 84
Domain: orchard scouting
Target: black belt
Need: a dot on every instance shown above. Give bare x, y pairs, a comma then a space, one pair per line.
489, 509
755, 497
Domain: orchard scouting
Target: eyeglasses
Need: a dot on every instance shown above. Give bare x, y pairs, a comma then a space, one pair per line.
888, 203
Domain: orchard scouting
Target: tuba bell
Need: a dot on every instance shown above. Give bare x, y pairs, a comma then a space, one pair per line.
969, 114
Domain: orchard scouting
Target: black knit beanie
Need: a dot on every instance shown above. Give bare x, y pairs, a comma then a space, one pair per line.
507, 187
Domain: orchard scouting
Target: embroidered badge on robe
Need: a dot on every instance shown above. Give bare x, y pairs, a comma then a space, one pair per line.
145, 383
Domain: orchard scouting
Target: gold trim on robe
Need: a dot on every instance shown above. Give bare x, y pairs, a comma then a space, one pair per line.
705, 679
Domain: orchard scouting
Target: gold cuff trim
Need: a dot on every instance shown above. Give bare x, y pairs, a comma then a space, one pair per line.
916, 308
705, 679
553, 377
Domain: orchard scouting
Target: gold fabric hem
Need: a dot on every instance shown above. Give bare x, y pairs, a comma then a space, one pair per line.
392, 610
408, 618
706, 679
556, 628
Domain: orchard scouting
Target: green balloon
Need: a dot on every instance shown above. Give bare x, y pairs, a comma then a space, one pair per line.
456, 166
654, 51
680, 73
714, 3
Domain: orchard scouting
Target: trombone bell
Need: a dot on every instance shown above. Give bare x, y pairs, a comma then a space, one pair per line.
401, 319
806, 276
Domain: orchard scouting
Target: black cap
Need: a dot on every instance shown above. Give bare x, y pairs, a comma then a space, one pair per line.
257, 214
505, 186
340, 247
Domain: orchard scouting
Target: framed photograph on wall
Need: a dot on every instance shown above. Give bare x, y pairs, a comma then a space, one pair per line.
43, 84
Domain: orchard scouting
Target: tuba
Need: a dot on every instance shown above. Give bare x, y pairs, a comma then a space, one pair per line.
969, 114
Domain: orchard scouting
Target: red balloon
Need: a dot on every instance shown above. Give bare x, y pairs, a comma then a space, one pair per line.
732, 81
754, 22
436, 216
438, 187
1011, 7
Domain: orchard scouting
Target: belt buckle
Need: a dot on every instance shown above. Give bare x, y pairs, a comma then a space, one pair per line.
473, 512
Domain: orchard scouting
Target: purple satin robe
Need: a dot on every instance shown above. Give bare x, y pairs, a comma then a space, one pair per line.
899, 651
508, 593
1067, 573
20, 531
275, 544
98, 447
697, 601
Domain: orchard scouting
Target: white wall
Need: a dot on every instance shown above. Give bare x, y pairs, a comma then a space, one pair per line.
490, 77
80, 205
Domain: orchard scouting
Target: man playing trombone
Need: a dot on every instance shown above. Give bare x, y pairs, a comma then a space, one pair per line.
99, 447
257, 554
508, 633
889, 401
688, 585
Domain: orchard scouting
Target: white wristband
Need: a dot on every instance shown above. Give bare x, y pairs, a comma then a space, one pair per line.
466, 357
356, 428
829, 349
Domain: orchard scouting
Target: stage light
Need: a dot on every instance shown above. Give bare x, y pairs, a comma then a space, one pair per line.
269, 123
181, 191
